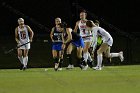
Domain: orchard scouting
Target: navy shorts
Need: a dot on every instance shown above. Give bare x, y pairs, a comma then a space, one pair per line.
78, 43
57, 46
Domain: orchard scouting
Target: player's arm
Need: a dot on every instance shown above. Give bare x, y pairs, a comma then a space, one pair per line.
31, 33
76, 26
63, 40
16, 35
68, 31
51, 34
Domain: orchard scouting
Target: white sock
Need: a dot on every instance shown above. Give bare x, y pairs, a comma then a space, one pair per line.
99, 60
25, 61
85, 55
20, 59
89, 57
114, 55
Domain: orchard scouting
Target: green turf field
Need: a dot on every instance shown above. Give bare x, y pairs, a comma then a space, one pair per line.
112, 79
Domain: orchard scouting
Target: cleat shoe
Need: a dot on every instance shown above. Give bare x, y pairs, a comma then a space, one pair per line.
85, 67
56, 66
97, 68
21, 67
90, 63
121, 56
81, 66
59, 69
56, 69
24, 68
70, 66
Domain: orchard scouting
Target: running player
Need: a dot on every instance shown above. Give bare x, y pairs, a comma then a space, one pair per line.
86, 35
94, 55
105, 46
72, 38
99, 42
22, 37
56, 37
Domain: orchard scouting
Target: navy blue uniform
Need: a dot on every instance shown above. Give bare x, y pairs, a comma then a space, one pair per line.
57, 37
77, 40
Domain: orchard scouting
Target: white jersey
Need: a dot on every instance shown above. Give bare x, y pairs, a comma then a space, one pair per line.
23, 37
84, 33
106, 37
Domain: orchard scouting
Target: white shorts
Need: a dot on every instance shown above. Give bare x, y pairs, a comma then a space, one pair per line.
27, 46
109, 41
87, 39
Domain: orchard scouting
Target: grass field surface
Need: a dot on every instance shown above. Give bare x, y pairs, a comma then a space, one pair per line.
112, 79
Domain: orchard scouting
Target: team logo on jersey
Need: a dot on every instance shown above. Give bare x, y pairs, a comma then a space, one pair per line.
83, 26
23, 34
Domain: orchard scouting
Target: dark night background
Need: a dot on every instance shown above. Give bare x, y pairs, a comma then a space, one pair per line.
120, 18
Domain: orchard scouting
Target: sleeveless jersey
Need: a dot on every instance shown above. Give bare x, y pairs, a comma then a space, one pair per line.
23, 34
75, 36
84, 33
57, 35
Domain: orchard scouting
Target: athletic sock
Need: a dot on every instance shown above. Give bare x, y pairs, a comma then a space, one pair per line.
55, 60
114, 55
80, 62
89, 57
85, 55
24, 61
69, 59
99, 60
60, 63
20, 59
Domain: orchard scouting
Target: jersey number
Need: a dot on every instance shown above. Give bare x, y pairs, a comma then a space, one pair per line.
84, 31
23, 34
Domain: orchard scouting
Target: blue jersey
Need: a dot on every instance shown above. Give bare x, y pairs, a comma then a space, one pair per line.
76, 40
57, 37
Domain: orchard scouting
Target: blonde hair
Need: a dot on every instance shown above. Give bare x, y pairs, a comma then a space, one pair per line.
20, 19
58, 19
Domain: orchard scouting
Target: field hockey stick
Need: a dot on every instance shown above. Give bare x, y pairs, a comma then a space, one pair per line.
87, 36
7, 52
